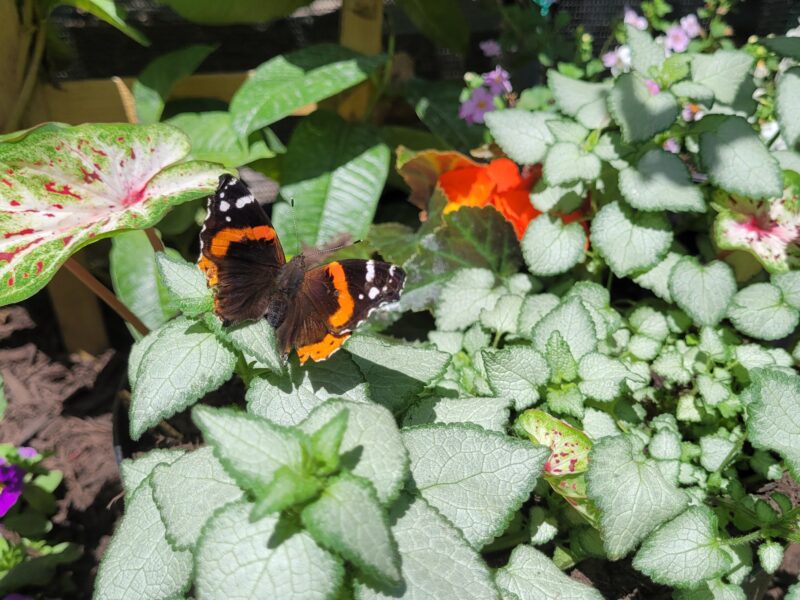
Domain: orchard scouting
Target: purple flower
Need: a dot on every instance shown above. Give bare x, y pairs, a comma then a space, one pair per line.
16, 596
691, 26
27, 452
634, 20
677, 39
490, 48
11, 479
692, 112
671, 145
497, 80
477, 105
618, 60
652, 87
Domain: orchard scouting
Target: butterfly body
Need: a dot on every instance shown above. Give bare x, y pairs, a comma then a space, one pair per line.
314, 310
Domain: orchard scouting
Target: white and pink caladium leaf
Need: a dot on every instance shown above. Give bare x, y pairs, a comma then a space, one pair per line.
64, 187
768, 229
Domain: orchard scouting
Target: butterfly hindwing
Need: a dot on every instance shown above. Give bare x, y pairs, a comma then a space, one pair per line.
239, 252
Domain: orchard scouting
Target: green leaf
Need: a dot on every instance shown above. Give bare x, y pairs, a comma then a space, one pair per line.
772, 422
546, 197
110, 12
139, 562
443, 22
580, 99
490, 413
258, 340
713, 590
601, 376
214, 139
436, 105
371, 447
723, 72
631, 493
338, 191
105, 178
783, 45
208, 12
714, 450
657, 278
684, 552
574, 322
530, 575
770, 555
235, 556
565, 130
349, 520
286, 488
566, 163
183, 363
738, 161
503, 317
178, 486
327, 440
134, 471
152, 88
477, 479
789, 284
522, 135
640, 114
469, 238
702, 291
395, 372
186, 284
563, 367
516, 372
444, 566
286, 398
697, 92
250, 448
630, 241
647, 56
290, 81
533, 309
463, 297
759, 311
787, 107
660, 181
132, 264
550, 247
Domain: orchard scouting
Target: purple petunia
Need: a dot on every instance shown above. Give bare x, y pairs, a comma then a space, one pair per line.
634, 20
11, 482
477, 105
691, 26
677, 39
498, 81
490, 48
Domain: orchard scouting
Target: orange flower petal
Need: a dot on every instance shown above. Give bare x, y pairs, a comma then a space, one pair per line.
421, 170
517, 209
470, 186
505, 174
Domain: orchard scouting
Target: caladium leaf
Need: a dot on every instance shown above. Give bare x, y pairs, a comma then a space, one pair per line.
62, 188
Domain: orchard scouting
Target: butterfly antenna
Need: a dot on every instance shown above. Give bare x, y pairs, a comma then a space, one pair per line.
340, 246
294, 223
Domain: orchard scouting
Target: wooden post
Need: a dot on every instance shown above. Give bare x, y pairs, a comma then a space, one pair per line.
361, 28
10, 40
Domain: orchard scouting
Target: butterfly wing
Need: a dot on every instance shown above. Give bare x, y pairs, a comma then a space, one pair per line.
333, 300
239, 252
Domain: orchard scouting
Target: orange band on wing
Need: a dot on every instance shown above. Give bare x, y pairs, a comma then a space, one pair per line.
322, 349
345, 300
210, 270
225, 237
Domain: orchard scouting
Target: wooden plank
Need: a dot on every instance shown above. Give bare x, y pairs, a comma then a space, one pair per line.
10, 39
361, 27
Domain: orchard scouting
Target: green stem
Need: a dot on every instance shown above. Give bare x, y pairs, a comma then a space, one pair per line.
386, 78
243, 370
744, 539
25, 93
497, 337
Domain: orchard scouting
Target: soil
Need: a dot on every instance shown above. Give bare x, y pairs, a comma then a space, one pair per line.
63, 404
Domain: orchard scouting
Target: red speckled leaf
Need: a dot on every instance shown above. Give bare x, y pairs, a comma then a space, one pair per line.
565, 470
62, 188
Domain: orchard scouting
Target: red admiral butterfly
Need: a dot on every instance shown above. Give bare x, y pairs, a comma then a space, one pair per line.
312, 310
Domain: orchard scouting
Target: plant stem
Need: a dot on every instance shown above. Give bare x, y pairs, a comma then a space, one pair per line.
26, 91
155, 241
744, 539
126, 98
106, 295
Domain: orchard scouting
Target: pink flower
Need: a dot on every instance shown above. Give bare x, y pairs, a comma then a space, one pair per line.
27, 452
671, 145
652, 87
634, 20
476, 106
692, 112
618, 60
677, 39
691, 26
497, 80
490, 48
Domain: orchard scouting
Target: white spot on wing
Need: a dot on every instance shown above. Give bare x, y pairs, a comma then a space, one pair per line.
392, 269
228, 219
370, 271
224, 206
361, 296
222, 195
373, 293
244, 201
